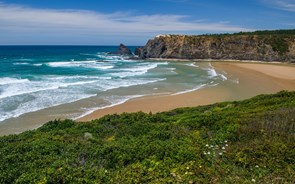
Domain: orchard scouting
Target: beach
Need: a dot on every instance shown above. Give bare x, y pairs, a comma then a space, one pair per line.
253, 79
246, 80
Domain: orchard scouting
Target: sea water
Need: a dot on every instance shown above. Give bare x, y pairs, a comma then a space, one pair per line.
33, 78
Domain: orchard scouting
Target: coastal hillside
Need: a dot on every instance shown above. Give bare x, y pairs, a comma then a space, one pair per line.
231, 142
261, 45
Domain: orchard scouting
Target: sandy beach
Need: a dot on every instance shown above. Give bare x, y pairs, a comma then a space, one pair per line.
245, 81
251, 79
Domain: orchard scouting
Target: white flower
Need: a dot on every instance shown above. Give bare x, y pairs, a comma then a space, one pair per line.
207, 145
223, 148
225, 141
256, 166
253, 180
220, 153
226, 144
208, 153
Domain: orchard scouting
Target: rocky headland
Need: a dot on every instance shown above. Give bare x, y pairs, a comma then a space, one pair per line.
259, 46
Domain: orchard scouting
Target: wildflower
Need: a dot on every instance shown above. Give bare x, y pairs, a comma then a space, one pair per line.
220, 153
223, 148
208, 153
207, 145
257, 166
187, 167
225, 141
205, 153
253, 180
211, 146
226, 144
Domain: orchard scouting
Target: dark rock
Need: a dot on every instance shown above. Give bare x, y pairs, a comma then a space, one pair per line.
134, 58
138, 51
122, 50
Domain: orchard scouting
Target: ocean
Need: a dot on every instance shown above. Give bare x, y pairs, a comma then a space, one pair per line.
34, 78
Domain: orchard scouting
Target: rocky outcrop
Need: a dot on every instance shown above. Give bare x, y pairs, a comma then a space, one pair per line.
122, 50
138, 50
227, 47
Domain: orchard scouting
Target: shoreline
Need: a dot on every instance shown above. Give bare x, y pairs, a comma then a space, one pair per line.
267, 74
220, 60
272, 78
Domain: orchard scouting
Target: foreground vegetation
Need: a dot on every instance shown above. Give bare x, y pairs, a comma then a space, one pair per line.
232, 142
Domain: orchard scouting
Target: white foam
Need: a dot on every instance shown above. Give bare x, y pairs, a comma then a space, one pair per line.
37, 64
21, 63
104, 67
192, 65
223, 77
171, 69
36, 95
36, 86
85, 64
109, 57
114, 102
25, 63
9, 80
119, 83
42, 101
190, 90
213, 74
23, 59
135, 71
163, 63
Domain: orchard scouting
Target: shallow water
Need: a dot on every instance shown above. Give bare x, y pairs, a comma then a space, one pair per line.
72, 81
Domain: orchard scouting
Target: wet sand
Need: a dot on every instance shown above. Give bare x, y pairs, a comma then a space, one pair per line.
247, 80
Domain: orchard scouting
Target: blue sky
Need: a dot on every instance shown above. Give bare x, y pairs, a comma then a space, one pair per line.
92, 22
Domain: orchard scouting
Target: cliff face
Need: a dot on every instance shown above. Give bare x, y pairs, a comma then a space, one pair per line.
235, 47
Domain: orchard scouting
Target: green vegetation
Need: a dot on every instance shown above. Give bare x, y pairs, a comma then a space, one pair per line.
269, 32
231, 142
287, 32
279, 44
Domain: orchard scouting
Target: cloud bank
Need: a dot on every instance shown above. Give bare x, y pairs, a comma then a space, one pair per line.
286, 5
17, 20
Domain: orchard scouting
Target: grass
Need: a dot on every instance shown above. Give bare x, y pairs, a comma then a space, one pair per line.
231, 142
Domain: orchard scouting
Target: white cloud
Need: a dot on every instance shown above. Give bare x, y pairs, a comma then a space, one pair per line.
287, 5
16, 19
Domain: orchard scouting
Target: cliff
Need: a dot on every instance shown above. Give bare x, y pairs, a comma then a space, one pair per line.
268, 47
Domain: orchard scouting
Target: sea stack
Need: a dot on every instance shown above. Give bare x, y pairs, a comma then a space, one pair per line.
122, 50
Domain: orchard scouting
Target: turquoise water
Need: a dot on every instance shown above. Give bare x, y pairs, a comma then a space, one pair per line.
33, 78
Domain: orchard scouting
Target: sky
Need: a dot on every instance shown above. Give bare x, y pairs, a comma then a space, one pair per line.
111, 22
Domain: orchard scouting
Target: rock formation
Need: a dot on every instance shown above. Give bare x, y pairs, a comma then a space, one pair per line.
138, 50
122, 50
227, 47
